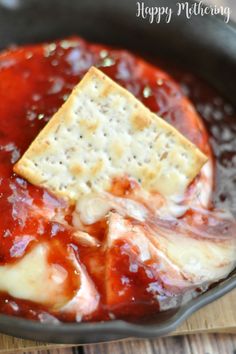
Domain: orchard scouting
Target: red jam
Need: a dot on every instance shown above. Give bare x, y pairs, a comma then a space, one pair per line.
34, 83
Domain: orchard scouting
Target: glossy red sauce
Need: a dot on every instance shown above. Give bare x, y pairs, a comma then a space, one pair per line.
34, 82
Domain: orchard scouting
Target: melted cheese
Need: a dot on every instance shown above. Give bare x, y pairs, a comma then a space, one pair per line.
182, 260
34, 279
94, 207
200, 260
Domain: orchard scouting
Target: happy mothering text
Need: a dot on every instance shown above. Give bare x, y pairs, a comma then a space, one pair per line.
159, 13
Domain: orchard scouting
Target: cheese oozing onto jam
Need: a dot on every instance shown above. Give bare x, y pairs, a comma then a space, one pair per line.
80, 158
36, 279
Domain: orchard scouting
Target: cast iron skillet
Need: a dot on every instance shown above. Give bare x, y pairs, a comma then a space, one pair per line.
206, 45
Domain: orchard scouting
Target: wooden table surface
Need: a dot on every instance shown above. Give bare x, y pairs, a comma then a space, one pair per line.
179, 344
191, 344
